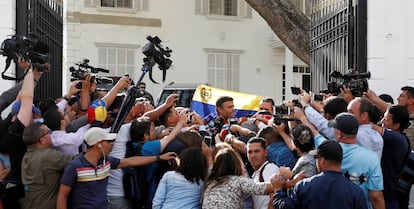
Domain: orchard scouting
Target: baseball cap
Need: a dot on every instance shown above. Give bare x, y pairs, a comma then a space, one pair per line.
16, 108
95, 135
330, 150
345, 122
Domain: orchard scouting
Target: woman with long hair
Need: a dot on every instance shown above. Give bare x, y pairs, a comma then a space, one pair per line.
226, 184
182, 188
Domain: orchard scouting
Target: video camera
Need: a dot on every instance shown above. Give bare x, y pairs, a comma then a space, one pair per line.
154, 54
83, 68
29, 48
355, 81
154, 51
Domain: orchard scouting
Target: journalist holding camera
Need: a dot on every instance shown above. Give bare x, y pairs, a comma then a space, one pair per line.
31, 55
395, 146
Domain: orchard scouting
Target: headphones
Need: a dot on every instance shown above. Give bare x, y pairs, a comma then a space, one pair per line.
103, 153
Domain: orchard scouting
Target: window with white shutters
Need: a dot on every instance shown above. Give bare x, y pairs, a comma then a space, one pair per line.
223, 70
118, 60
233, 8
123, 4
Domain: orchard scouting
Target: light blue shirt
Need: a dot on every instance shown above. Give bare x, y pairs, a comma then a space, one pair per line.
320, 122
174, 191
370, 139
366, 136
360, 164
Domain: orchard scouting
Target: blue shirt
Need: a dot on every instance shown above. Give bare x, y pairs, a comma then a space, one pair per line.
88, 183
175, 191
280, 154
328, 189
366, 136
151, 148
361, 166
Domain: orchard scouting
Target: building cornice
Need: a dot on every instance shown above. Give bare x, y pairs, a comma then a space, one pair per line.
77, 17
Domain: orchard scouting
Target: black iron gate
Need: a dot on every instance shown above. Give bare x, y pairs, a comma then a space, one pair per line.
338, 39
45, 19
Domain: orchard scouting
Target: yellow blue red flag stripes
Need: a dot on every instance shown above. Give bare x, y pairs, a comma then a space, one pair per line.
205, 97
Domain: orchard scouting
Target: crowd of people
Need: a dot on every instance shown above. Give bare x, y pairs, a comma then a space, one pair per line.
342, 152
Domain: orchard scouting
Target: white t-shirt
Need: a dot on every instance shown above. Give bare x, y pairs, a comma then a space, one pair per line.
262, 201
115, 187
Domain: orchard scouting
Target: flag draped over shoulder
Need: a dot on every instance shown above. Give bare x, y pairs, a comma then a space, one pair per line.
205, 97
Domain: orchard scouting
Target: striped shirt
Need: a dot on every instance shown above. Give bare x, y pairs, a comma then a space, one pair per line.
88, 183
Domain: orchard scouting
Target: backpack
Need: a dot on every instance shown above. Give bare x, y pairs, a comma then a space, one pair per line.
135, 186
261, 179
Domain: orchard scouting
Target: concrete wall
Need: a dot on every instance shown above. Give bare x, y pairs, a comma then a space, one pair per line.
390, 45
7, 27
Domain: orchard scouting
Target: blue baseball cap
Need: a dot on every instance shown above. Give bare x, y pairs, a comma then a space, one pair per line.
16, 108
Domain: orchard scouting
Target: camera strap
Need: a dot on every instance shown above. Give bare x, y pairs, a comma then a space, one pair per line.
164, 75
6, 77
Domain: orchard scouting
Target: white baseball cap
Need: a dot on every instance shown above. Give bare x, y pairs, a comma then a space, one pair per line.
95, 135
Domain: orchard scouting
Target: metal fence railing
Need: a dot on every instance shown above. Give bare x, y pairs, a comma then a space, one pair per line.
45, 19
338, 39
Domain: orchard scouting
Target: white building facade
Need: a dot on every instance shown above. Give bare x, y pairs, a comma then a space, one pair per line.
229, 46
225, 45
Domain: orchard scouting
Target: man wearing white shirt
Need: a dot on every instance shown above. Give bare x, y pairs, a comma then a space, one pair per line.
67, 143
263, 170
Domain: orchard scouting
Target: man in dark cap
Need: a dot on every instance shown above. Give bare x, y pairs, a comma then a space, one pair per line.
329, 189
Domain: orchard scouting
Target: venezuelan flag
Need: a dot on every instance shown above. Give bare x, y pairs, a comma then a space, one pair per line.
205, 97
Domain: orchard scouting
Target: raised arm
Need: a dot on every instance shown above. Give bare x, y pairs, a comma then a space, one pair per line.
25, 114
300, 115
84, 95
177, 129
144, 160
241, 130
122, 84
72, 91
381, 104
157, 112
